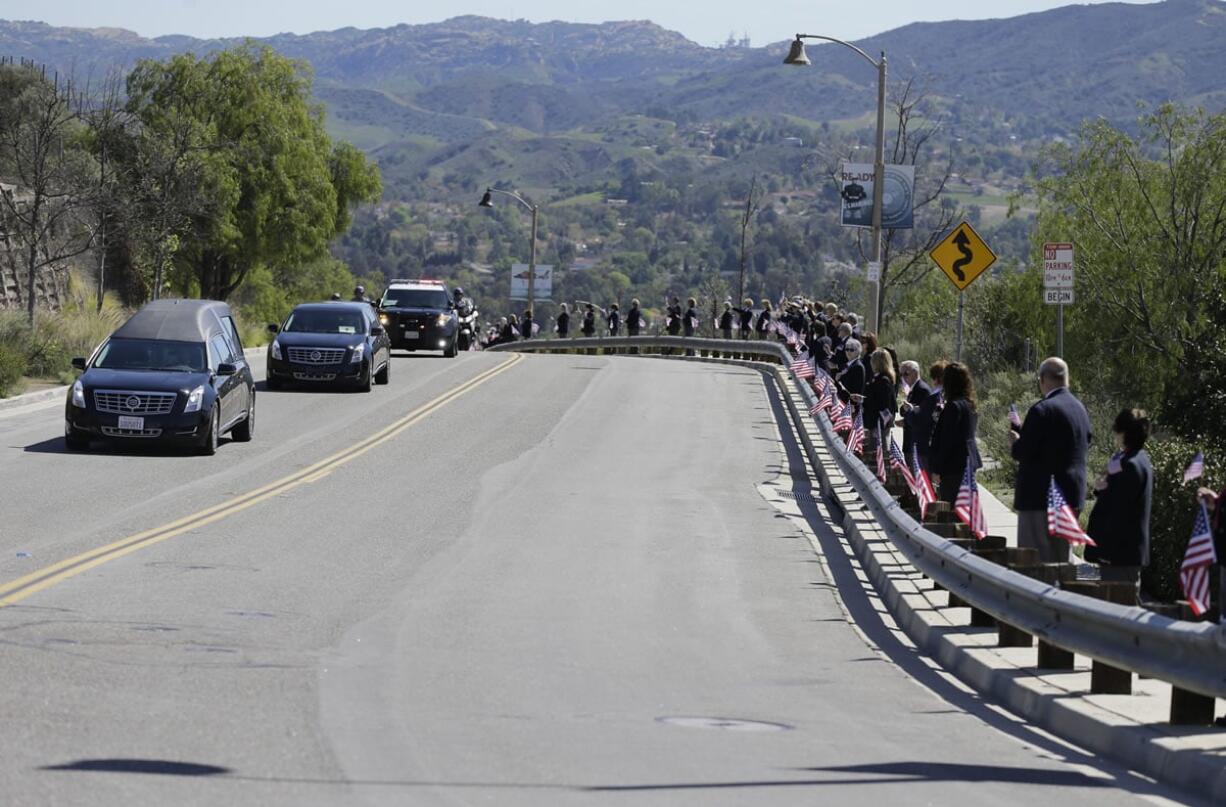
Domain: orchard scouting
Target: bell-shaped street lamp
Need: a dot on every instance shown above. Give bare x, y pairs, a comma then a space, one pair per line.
797, 55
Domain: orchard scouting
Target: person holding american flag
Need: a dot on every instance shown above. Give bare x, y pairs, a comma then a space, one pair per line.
1052, 443
954, 446
1210, 503
1119, 522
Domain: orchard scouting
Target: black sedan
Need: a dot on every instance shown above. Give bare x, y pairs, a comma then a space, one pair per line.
330, 343
174, 372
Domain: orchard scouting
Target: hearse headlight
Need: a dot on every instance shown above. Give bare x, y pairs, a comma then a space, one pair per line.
78, 395
358, 353
195, 399
276, 350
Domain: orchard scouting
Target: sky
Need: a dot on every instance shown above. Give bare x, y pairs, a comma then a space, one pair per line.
708, 22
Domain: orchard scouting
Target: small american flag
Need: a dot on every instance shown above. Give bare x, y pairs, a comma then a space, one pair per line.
1200, 555
968, 507
1015, 420
880, 455
1116, 463
842, 421
923, 485
1196, 469
832, 397
899, 463
1061, 520
906, 390
803, 368
819, 403
855, 440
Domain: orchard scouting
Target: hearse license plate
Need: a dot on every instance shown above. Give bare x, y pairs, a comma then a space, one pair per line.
132, 424
411, 334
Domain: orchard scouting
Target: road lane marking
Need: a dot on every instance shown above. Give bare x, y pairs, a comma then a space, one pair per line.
23, 587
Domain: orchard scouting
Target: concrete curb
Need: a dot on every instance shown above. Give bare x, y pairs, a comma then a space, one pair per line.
42, 396
971, 654
32, 398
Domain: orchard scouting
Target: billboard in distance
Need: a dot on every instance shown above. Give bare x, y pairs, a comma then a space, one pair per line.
856, 181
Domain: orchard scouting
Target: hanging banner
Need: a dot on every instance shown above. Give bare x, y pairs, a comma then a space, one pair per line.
897, 196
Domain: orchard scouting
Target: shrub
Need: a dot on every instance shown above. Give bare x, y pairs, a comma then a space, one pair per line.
1174, 508
12, 367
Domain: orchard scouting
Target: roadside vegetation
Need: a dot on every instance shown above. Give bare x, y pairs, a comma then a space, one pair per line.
1147, 212
194, 177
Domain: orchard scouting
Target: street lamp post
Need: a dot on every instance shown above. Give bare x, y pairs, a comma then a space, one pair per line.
797, 56
488, 201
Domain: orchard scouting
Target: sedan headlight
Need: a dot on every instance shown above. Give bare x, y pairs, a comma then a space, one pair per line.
78, 395
276, 350
358, 353
442, 320
195, 399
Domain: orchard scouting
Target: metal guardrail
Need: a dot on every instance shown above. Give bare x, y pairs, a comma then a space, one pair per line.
1188, 655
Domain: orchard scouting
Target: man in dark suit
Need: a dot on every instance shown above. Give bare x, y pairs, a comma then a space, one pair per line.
920, 392
1052, 443
921, 418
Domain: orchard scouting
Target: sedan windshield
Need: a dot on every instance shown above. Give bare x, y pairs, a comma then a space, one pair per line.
324, 321
414, 298
149, 354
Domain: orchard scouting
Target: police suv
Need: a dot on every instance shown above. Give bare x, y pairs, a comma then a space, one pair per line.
418, 316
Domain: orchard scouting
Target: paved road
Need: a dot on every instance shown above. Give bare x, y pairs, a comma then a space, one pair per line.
562, 586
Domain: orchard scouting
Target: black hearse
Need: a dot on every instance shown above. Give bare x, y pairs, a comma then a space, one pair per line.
173, 372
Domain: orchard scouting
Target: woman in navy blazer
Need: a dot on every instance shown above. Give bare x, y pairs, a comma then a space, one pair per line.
1119, 522
953, 439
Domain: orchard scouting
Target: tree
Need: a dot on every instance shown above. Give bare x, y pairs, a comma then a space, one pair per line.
102, 111
277, 188
1147, 215
42, 148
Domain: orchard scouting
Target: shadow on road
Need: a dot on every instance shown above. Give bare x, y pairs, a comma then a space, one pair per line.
160, 767
115, 448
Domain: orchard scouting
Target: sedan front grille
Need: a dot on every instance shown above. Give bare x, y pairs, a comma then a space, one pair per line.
111, 431
316, 355
131, 402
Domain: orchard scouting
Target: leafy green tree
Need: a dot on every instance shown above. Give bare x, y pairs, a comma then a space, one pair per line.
280, 190
1147, 214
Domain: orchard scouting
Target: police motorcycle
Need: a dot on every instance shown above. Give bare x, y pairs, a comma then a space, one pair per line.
466, 316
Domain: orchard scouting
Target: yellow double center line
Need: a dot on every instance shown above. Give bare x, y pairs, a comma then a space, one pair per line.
17, 590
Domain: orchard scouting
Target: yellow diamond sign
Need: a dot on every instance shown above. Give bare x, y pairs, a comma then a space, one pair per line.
963, 255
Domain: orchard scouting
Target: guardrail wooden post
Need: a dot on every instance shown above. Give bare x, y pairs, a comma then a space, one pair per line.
1008, 635
1050, 656
992, 548
1105, 679
1187, 708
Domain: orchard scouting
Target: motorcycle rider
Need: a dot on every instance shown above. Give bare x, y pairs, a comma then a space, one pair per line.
462, 305
466, 312
359, 294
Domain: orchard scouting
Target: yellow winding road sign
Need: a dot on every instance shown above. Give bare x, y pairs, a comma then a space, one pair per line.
963, 255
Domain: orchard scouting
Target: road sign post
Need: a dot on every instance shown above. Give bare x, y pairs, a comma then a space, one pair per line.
1058, 268
963, 256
